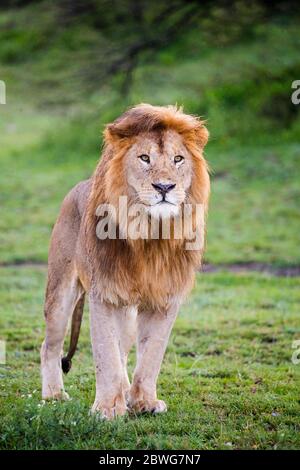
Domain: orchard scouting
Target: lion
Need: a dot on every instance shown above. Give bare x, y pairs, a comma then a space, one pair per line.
153, 155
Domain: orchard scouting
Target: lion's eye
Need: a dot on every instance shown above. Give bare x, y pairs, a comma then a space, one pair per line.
178, 158
145, 158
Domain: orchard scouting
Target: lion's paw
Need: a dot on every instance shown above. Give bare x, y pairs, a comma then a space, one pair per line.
148, 406
108, 413
60, 396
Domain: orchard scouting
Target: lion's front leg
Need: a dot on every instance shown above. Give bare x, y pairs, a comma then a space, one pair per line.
109, 365
154, 329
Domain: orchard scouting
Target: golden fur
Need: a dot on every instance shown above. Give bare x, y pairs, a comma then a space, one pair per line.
122, 277
143, 271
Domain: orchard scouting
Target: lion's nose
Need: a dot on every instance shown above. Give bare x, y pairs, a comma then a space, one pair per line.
163, 188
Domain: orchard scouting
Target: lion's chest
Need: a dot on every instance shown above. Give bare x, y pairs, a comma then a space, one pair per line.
153, 276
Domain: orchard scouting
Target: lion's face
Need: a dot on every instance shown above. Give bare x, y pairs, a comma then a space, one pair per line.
158, 169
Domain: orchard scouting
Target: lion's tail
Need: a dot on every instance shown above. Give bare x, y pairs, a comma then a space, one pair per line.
66, 362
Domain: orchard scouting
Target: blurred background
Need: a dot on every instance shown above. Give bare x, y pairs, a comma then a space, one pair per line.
71, 66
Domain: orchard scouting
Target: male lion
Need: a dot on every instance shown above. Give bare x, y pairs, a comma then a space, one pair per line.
152, 155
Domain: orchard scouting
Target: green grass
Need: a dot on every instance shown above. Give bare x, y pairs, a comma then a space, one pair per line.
227, 376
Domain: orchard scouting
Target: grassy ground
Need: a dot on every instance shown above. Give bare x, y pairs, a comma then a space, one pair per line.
227, 377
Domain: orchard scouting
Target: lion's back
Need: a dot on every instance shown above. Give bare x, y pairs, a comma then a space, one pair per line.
66, 229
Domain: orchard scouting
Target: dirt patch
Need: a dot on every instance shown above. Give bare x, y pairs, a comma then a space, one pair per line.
24, 263
249, 266
280, 271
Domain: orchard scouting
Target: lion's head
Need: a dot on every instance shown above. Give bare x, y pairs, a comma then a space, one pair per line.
158, 169
155, 158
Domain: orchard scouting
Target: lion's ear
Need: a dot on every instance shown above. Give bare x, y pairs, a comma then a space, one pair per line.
122, 127
202, 135
109, 135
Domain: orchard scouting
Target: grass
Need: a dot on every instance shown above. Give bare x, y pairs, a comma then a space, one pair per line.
227, 376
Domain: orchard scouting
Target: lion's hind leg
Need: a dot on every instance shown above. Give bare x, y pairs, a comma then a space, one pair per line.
60, 303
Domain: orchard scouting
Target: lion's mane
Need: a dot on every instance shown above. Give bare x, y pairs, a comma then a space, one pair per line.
142, 272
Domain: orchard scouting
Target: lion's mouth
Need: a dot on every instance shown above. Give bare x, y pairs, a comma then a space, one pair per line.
164, 201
